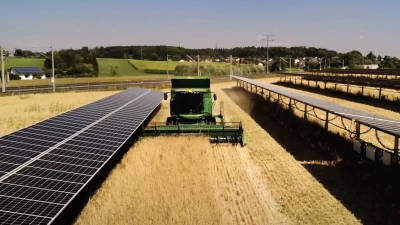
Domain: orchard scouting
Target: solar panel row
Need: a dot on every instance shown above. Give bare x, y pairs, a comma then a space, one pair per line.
388, 125
42, 167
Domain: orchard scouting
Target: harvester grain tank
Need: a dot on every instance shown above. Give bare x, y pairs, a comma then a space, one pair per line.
191, 113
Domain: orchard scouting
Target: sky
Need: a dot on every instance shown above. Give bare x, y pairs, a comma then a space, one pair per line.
343, 26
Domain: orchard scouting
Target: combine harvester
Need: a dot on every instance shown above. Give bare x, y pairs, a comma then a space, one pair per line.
191, 109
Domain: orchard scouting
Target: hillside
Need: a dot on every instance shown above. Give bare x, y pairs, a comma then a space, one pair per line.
162, 65
14, 62
124, 68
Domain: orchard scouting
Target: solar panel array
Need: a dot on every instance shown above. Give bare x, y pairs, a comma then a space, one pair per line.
385, 124
27, 70
44, 166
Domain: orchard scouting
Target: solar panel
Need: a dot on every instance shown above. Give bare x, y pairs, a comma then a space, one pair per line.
27, 70
382, 123
44, 166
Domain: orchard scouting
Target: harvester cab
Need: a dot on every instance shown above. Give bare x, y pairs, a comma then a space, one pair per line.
191, 112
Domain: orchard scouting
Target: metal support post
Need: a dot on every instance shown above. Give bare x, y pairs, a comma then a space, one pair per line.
396, 149
358, 127
269, 95
277, 105
326, 121
52, 68
167, 67
305, 112
198, 65
3, 80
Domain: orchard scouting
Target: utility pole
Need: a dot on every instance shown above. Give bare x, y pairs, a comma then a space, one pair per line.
167, 68
198, 65
141, 52
268, 40
280, 58
52, 67
3, 82
290, 64
230, 67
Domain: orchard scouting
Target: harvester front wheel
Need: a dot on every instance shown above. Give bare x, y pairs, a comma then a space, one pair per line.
170, 121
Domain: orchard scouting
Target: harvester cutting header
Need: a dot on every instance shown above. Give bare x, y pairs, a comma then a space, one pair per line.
191, 110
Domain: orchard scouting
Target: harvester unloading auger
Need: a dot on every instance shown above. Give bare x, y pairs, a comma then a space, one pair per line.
191, 109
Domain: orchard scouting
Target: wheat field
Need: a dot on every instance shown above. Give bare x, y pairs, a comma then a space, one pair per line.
19, 111
187, 180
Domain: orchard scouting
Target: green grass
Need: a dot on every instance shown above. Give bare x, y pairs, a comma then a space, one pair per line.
15, 62
162, 65
124, 68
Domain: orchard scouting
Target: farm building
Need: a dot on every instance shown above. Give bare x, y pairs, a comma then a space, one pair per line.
372, 66
28, 73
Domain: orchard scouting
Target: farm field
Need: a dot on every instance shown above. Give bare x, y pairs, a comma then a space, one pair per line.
124, 68
15, 62
17, 112
186, 180
162, 65
59, 81
259, 184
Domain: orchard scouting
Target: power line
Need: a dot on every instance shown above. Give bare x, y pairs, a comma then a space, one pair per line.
267, 40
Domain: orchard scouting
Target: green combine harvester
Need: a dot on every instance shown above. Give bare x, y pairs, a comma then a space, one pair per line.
191, 109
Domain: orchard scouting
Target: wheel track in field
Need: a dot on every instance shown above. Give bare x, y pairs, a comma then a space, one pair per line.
298, 195
244, 199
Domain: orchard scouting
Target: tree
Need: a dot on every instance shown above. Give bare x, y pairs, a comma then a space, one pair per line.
311, 63
18, 52
275, 65
153, 56
371, 56
58, 62
113, 70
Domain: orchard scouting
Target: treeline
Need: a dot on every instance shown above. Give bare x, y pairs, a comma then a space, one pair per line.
178, 53
73, 63
314, 58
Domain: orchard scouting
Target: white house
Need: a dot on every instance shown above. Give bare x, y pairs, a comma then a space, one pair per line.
28, 73
372, 66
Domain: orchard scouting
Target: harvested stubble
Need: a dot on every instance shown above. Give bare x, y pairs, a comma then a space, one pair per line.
186, 180
337, 124
389, 94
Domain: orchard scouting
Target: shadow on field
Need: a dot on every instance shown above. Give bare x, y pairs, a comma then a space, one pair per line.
368, 191
381, 103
